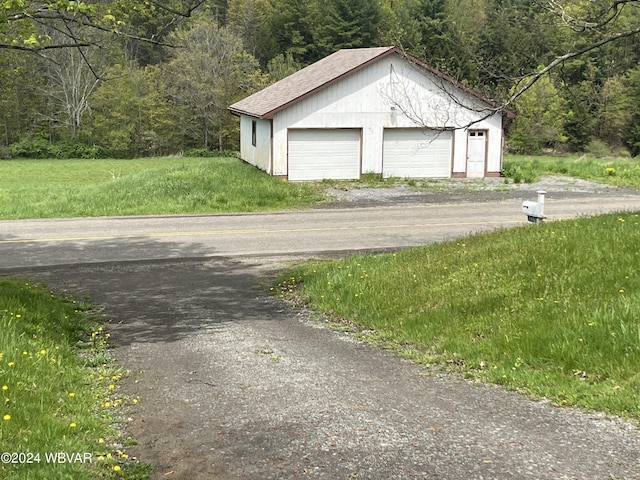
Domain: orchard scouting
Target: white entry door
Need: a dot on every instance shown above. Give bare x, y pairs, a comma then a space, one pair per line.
476, 153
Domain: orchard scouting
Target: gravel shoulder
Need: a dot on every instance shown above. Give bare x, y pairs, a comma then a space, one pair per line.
234, 384
471, 190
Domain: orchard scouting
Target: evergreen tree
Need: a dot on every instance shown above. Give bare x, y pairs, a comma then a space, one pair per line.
345, 24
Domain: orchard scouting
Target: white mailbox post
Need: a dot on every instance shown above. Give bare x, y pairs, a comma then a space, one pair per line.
535, 210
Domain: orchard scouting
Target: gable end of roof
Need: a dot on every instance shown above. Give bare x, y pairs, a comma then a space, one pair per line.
265, 103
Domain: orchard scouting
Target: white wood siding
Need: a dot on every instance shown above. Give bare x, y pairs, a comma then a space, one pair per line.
365, 99
260, 153
316, 154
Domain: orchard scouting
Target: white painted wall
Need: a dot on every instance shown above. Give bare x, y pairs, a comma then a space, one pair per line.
365, 99
260, 154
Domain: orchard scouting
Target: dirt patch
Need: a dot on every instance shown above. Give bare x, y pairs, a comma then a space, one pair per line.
234, 384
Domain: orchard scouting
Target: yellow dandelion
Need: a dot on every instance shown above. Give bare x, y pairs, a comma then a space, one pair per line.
72, 425
18, 315
7, 417
11, 364
25, 353
43, 352
4, 388
116, 468
101, 440
112, 386
72, 394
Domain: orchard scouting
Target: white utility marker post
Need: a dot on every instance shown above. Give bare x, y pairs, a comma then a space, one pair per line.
535, 210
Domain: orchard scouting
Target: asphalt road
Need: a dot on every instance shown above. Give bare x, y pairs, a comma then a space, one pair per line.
26, 243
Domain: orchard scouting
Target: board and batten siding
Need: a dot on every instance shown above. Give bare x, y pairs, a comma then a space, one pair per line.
363, 100
259, 154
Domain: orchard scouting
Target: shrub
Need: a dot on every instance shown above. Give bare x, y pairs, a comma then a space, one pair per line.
31, 148
41, 148
206, 153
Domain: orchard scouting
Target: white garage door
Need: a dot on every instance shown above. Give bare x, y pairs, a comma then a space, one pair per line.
417, 153
315, 154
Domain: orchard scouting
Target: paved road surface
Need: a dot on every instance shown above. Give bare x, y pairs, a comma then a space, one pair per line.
26, 243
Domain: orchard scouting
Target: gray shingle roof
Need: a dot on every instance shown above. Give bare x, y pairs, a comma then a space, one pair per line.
266, 102
270, 100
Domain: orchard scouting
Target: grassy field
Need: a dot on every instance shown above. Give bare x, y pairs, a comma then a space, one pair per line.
60, 401
73, 188
560, 319
528, 169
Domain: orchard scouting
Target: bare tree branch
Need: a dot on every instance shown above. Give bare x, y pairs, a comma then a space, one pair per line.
610, 12
179, 13
534, 77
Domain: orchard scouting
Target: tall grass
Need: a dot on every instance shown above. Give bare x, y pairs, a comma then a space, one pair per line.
553, 310
69, 188
528, 169
58, 393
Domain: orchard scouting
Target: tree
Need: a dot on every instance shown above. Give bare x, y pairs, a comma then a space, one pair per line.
345, 24
130, 116
248, 18
542, 117
292, 23
593, 23
21, 21
210, 72
71, 75
282, 66
19, 97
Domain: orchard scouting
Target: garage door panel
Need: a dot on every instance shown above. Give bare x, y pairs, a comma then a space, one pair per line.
417, 153
316, 154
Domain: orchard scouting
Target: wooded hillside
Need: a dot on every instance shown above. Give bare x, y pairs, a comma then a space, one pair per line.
120, 78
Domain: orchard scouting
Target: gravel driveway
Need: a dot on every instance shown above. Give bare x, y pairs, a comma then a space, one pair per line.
234, 384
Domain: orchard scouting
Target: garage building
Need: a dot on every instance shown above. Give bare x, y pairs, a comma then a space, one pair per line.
370, 110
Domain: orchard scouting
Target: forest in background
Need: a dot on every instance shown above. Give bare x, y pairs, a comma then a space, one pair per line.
114, 78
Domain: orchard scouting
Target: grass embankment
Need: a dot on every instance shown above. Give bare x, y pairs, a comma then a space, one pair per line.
552, 310
60, 402
75, 188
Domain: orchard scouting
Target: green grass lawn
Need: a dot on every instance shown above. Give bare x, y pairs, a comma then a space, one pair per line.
72, 188
559, 319
59, 391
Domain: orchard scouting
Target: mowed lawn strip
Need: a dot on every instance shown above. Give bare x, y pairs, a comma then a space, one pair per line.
59, 398
552, 310
76, 188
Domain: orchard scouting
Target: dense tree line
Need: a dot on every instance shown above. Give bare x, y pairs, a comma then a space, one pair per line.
113, 77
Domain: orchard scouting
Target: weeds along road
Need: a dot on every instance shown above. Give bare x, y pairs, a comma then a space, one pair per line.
235, 384
26, 243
